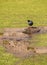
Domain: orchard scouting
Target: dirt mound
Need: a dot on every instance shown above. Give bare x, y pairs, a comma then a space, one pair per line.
19, 49
17, 40
33, 30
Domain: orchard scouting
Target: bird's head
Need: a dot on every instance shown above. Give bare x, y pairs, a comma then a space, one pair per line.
28, 20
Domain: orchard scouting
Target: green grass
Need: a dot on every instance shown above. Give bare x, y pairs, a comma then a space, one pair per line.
15, 13
35, 60
39, 40
6, 58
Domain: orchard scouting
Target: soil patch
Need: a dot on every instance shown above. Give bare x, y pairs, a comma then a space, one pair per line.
17, 40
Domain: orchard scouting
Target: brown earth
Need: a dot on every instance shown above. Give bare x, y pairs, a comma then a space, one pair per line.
17, 40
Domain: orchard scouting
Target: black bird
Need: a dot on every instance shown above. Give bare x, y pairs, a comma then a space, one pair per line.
30, 23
